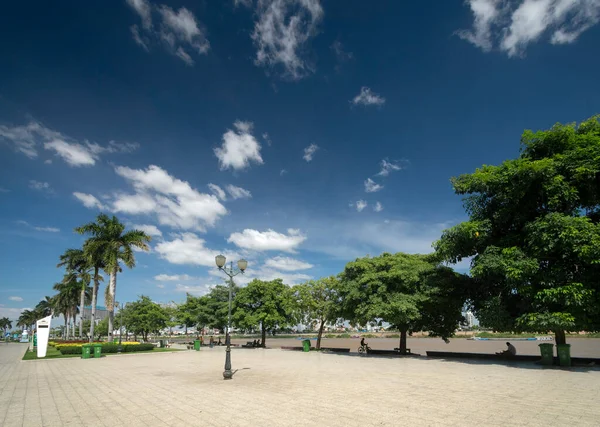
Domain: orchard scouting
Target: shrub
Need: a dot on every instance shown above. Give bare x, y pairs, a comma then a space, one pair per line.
369, 336
344, 336
393, 336
107, 348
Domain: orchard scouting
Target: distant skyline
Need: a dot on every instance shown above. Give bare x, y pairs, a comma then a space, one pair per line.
297, 134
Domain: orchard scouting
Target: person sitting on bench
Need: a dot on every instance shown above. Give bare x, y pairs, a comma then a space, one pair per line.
510, 351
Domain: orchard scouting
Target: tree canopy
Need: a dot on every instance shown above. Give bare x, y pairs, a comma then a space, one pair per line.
269, 304
534, 233
318, 300
144, 316
411, 292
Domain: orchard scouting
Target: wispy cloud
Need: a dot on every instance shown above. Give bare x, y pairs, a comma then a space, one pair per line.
359, 205
282, 30
27, 138
238, 192
239, 148
37, 228
15, 298
372, 187
367, 97
89, 201
217, 191
178, 30
309, 152
40, 186
287, 264
149, 229
378, 207
512, 26
341, 55
387, 167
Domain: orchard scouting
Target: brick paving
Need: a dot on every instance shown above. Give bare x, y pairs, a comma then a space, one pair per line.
282, 388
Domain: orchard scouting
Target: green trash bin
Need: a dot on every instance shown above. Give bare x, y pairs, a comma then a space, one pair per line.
161, 343
197, 345
564, 354
547, 351
306, 345
85, 351
97, 350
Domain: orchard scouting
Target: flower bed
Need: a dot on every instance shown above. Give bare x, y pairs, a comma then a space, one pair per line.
126, 347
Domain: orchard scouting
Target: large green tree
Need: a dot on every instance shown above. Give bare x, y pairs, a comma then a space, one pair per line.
144, 317
110, 242
78, 264
534, 234
265, 304
411, 292
318, 300
5, 324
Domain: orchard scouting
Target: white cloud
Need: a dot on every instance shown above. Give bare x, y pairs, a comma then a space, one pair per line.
47, 229
360, 205
514, 25
40, 186
239, 147
269, 240
238, 192
143, 8
194, 290
287, 264
367, 97
26, 139
160, 286
388, 167
340, 54
174, 202
14, 298
179, 31
282, 31
188, 248
150, 230
371, 186
266, 273
44, 229
485, 12
378, 207
217, 191
283, 172
309, 152
174, 277
89, 201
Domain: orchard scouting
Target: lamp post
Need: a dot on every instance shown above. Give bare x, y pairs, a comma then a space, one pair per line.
241, 264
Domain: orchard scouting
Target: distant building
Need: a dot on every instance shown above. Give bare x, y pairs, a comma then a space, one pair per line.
101, 313
469, 319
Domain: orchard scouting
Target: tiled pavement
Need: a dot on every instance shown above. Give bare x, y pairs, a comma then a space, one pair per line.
289, 389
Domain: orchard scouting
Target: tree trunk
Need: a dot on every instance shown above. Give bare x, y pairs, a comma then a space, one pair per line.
110, 303
560, 337
66, 331
81, 304
320, 334
264, 336
74, 320
403, 334
94, 301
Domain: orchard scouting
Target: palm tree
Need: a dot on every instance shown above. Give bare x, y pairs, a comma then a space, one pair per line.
27, 319
66, 300
5, 324
80, 265
109, 241
44, 307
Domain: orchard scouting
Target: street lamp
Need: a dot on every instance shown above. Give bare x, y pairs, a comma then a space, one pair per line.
242, 264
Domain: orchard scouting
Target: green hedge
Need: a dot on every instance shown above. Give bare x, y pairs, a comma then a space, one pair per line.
110, 348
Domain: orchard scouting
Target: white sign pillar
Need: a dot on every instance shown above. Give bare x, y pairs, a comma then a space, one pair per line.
43, 333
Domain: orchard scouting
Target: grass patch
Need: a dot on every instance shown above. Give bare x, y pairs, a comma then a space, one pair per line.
53, 353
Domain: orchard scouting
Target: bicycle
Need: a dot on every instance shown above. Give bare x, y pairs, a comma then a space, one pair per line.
364, 348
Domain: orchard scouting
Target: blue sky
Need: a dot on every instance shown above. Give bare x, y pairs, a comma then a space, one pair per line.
297, 134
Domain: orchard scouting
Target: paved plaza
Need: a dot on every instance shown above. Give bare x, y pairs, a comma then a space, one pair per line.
279, 388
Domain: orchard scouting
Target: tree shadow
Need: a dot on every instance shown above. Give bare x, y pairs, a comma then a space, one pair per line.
236, 371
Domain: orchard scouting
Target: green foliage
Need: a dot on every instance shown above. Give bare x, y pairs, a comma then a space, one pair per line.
411, 292
108, 348
534, 233
5, 324
268, 305
144, 316
101, 329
